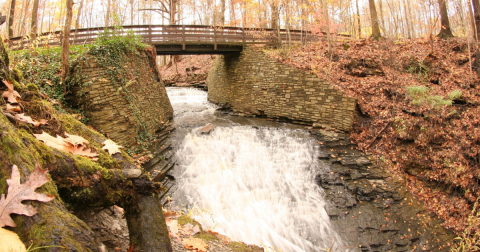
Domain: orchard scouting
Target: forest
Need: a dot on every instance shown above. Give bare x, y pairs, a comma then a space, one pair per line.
358, 18
412, 65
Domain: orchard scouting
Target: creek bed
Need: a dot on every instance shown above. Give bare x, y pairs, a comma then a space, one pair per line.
285, 188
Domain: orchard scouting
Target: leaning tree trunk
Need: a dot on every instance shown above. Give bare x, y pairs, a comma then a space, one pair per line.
446, 30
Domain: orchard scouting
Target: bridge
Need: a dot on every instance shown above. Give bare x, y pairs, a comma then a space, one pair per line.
177, 39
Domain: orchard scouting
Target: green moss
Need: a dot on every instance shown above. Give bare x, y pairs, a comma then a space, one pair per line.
183, 220
17, 74
206, 236
242, 247
32, 87
17, 86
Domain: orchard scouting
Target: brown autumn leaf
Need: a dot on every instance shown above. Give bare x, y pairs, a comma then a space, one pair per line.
27, 119
195, 244
14, 108
9, 241
10, 95
67, 144
111, 147
53, 142
75, 140
17, 193
85, 152
172, 226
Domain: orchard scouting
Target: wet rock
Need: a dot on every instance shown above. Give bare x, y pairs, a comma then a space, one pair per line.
132, 173
370, 209
206, 129
109, 225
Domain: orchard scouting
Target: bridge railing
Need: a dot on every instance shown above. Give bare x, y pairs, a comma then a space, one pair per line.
171, 34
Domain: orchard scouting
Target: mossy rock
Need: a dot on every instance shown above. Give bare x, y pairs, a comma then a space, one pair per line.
184, 220
242, 247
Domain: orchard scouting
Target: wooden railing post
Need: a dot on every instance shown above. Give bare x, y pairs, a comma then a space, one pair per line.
183, 37
243, 35
214, 39
150, 34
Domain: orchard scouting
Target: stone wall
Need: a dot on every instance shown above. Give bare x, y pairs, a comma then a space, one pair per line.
255, 84
123, 108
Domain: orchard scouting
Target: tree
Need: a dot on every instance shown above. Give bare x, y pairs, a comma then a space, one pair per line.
33, 27
375, 26
77, 21
10, 19
275, 14
222, 12
66, 42
445, 31
476, 11
107, 16
358, 21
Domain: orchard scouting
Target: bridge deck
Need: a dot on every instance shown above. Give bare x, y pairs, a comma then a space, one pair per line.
176, 39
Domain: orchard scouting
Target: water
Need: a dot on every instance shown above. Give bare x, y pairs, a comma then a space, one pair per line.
249, 179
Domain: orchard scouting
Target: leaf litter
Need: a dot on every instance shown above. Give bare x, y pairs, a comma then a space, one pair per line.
418, 104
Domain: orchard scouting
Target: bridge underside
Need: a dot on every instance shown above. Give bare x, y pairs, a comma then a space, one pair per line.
197, 48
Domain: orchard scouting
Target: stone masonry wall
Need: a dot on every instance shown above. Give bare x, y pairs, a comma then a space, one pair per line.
123, 111
255, 84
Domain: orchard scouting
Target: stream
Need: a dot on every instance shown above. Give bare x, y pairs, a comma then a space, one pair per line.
251, 179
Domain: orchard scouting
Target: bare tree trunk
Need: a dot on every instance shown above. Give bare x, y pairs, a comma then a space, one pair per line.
327, 20
43, 17
445, 31
11, 19
131, 12
232, 13
407, 21
476, 10
358, 21
472, 21
381, 17
222, 12
24, 16
412, 27
66, 43
375, 27
275, 15
33, 27
77, 21
107, 16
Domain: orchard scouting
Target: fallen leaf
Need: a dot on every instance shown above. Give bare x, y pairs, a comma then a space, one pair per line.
131, 248
10, 95
85, 152
14, 108
9, 241
27, 119
111, 147
56, 143
172, 226
19, 192
71, 144
193, 243
75, 140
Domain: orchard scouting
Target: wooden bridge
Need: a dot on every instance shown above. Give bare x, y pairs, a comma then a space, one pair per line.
177, 39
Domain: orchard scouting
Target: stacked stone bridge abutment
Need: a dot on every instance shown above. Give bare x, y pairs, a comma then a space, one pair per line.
253, 83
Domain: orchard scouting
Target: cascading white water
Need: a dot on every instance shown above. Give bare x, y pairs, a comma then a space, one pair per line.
252, 184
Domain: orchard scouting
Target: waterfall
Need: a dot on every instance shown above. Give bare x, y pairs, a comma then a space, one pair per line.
250, 182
